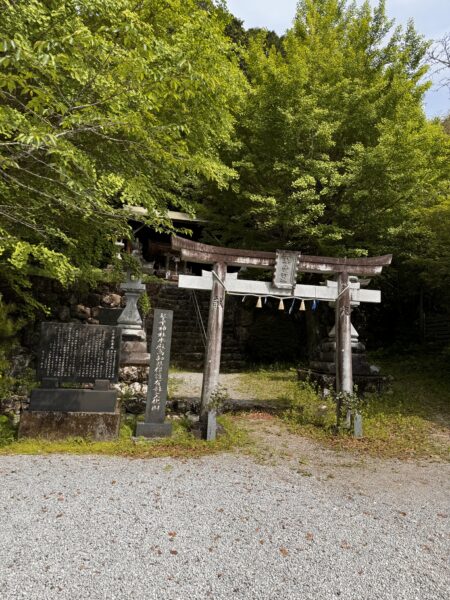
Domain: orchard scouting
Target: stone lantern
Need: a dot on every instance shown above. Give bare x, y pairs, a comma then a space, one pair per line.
134, 337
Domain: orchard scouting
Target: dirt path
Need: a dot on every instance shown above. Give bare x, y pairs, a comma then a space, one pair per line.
187, 387
358, 473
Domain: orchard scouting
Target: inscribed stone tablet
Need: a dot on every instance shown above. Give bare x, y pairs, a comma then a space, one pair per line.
79, 353
159, 366
286, 266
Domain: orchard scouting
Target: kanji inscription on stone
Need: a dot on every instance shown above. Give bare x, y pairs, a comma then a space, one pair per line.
286, 266
159, 366
79, 353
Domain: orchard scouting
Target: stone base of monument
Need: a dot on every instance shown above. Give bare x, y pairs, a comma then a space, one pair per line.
73, 400
363, 383
153, 430
53, 425
134, 352
322, 368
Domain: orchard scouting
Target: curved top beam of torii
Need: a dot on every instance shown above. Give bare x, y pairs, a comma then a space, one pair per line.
204, 253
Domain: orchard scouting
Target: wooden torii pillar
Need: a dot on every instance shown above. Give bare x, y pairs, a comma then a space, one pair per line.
343, 294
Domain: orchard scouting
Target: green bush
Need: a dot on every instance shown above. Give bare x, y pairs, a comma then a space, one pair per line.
144, 304
306, 407
9, 327
7, 431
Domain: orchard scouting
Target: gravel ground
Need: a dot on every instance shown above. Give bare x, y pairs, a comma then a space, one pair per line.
217, 527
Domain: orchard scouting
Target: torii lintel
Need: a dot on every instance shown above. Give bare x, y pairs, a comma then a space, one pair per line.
206, 254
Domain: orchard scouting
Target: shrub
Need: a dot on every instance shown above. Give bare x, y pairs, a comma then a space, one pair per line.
7, 431
306, 407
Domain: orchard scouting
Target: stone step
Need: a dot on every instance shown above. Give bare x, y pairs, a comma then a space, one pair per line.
195, 336
184, 350
199, 355
225, 367
194, 326
195, 332
183, 298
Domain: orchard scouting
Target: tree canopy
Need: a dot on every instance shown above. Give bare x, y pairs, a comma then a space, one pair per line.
316, 140
336, 155
105, 103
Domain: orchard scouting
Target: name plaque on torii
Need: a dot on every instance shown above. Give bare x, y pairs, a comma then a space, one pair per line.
344, 293
286, 268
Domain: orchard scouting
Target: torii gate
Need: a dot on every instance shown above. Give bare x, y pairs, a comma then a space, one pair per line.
286, 265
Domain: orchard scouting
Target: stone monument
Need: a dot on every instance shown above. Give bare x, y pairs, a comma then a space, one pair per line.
322, 367
155, 412
134, 338
75, 354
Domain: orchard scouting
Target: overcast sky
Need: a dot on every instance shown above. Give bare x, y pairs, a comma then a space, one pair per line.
431, 18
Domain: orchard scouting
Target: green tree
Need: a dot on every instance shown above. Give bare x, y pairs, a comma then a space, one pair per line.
105, 103
446, 124
337, 155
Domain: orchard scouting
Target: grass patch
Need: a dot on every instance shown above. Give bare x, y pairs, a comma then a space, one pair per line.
267, 385
411, 420
172, 387
182, 444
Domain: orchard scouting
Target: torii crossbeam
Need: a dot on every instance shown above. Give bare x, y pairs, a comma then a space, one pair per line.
286, 265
